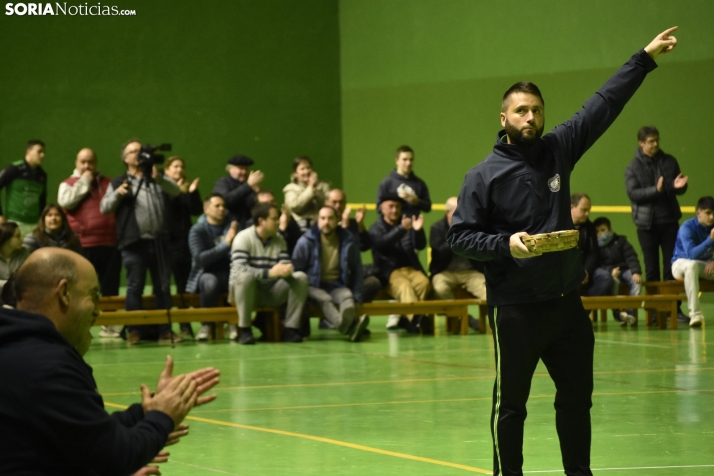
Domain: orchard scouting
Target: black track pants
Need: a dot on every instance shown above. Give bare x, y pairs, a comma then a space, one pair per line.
560, 333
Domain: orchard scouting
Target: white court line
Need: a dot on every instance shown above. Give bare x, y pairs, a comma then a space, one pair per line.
560, 471
604, 341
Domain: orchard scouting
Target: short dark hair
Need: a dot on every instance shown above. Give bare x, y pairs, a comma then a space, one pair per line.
576, 197
299, 160
403, 148
207, 200
705, 203
261, 210
521, 87
7, 230
602, 221
32, 143
331, 208
645, 132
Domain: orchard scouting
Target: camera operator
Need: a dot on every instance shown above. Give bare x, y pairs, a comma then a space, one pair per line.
137, 200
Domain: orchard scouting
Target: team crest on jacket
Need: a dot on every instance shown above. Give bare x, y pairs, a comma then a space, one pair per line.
554, 183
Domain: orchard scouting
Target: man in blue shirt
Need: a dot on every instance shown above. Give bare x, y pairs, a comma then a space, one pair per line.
693, 255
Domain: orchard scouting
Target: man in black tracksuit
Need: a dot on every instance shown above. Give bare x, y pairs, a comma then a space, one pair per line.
536, 313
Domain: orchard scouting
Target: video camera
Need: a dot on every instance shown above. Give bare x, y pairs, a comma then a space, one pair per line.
148, 157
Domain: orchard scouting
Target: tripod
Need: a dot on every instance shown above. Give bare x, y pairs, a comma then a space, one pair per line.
162, 261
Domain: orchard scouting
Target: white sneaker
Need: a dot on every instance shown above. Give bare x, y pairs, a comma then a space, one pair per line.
627, 319
393, 322
204, 333
232, 331
110, 331
695, 320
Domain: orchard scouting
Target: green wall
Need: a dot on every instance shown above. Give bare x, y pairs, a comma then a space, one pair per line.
431, 74
258, 77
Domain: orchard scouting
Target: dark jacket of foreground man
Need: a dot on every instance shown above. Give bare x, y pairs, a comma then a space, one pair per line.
52, 419
528, 189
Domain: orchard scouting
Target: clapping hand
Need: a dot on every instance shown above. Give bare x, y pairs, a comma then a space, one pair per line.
680, 181
205, 379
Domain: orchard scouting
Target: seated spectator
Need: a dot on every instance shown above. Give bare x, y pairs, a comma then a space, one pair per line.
305, 194
262, 275
693, 256
12, 253
330, 257
402, 182
619, 258
51, 409
239, 188
597, 282
52, 230
337, 200
287, 227
396, 238
449, 271
210, 241
80, 195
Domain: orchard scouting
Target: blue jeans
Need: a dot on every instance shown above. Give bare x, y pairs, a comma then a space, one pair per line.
138, 258
211, 286
600, 283
635, 289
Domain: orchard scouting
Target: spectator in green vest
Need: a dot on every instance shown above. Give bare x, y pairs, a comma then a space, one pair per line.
25, 185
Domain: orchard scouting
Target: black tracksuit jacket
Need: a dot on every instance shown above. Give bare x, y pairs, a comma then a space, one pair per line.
528, 189
53, 419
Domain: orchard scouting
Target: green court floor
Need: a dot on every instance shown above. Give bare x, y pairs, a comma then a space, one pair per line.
406, 405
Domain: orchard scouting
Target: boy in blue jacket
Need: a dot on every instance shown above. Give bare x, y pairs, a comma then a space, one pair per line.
692, 258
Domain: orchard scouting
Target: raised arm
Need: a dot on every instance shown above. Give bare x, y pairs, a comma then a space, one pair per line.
579, 133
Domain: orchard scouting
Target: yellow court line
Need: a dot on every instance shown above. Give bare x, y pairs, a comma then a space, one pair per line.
393, 453
332, 442
411, 380
596, 208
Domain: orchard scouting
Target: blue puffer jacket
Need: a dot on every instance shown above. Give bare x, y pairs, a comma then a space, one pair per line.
307, 258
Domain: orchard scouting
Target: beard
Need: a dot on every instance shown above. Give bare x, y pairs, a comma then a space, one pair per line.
517, 136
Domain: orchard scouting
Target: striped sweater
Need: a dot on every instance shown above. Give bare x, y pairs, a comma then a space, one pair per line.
250, 255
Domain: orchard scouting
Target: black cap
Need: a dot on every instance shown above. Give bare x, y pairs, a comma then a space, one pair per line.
240, 160
387, 197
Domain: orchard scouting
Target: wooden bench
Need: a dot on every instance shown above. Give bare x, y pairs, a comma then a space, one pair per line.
675, 287
661, 304
187, 311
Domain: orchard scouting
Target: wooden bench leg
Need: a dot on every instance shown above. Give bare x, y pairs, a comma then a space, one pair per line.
603, 315
465, 321
218, 331
482, 318
673, 316
274, 326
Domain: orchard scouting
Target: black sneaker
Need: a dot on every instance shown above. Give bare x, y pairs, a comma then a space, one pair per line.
325, 324
357, 331
473, 324
245, 336
291, 335
681, 317
424, 324
407, 325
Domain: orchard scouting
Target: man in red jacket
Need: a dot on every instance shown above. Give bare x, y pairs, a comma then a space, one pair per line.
80, 195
